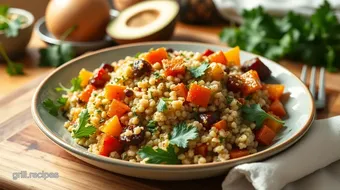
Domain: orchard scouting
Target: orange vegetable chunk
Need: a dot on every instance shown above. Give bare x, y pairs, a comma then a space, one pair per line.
233, 56
109, 144
85, 77
117, 108
221, 125
156, 55
237, 153
251, 82
112, 127
275, 91
277, 108
199, 95
218, 57
265, 135
181, 90
114, 92
86, 93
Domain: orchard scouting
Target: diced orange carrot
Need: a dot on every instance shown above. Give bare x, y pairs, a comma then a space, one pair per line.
233, 56
114, 92
274, 125
157, 55
109, 144
277, 108
199, 95
237, 153
275, 91
265, 135
216, 72
201, 149
112, 127
174, 70
181, 90
251, 82
86, 93
218, 57
117, 108
221, 125
84, 76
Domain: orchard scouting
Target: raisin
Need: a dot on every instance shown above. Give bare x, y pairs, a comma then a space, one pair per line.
256, 64
134, 139
208, 119
234, 83
128, 93
141, 67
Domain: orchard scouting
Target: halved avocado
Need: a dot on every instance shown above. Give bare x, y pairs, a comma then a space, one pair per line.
145, 21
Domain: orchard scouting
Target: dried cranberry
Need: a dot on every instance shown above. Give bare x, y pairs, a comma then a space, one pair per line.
169, 50
128, 93
234, 83
208, 119
100, 78
141, 67
107, 67
257, 65
133, 139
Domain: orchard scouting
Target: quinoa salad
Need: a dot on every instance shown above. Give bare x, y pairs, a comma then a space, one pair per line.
170, 106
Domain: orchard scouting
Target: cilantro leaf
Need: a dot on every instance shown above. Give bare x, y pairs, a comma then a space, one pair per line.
152, 126
12, 67
199, 71
161, 106
51, 107
75, 86
82, 130
256, 114
159, 156
182, 133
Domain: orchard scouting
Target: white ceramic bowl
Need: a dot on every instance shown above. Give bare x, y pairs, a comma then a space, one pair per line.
300, 109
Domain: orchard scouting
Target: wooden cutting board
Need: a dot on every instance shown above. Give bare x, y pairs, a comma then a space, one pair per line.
23, 147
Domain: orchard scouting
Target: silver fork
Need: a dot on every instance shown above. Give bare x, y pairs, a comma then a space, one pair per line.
320, 100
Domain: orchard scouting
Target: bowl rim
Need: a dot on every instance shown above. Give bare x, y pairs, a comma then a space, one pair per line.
51, 40
25, 13
107, 160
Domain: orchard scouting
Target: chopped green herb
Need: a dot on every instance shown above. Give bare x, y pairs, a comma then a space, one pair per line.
12, 67
152, 126
159, 156
199, 71
182, 133
161, 106
256, 114
82, 130
75, 86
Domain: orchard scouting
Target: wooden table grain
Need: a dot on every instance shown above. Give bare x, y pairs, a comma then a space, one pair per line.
24, 148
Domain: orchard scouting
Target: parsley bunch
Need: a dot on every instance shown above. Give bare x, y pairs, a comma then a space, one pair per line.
314, 40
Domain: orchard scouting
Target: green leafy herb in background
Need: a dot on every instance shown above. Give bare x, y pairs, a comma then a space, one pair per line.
75, 86
82, 130
316, 41
53, 108
256, 114
12, 67
57, 55
182, 133
8, 26
159, 156
199, 71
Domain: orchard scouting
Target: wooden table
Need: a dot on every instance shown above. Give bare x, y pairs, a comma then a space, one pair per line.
24, 148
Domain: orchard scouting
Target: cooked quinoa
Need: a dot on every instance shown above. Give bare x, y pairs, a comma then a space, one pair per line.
155, 107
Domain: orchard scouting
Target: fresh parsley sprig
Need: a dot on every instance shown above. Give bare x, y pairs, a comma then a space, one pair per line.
256, 114
199, 71
83, 129
53, 108
159, 156
75, 86
12, 67
182, 133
